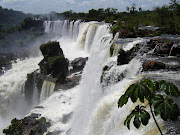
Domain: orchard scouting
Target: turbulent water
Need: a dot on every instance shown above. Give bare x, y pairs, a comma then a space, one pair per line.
91, 107
12, 102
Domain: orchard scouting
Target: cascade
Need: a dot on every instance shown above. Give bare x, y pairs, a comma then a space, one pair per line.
12, 102
47, 90
63, 28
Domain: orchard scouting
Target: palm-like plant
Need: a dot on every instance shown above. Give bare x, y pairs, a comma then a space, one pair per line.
158, 94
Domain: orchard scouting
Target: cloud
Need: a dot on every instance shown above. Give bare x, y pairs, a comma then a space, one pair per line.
46, 6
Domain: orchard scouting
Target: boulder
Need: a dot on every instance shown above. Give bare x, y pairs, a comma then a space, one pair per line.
78, 64
152, 65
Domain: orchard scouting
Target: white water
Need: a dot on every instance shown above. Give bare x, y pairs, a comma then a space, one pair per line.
12, 102
47, 90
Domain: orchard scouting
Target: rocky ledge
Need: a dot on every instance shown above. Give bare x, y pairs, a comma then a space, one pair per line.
30, 125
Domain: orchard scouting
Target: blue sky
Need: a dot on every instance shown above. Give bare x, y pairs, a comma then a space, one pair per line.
46, 6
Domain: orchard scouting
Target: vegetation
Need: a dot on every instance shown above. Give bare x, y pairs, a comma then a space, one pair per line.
10, 18
54, 62
159, 96
166, 17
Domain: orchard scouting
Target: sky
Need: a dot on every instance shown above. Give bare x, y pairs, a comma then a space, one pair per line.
47, 6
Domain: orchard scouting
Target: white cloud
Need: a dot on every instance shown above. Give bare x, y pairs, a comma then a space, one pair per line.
46, 6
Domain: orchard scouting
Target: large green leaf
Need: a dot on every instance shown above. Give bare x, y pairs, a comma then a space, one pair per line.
172, 90
128, 119
123, 100
167, 108
140, 116
136, 121
169, 88
144, 117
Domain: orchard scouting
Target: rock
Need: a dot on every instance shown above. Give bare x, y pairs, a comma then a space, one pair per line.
175, 51
56, 65
29, 85
134, 33
152, 65
163, 48
54, 62
78, 64
51, 49
122, 57
175, 67
28, 126
153, 42
61, 78
70, 82
126, 34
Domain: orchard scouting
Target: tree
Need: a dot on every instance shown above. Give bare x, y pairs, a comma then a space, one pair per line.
162, 104
127, 8
133, 8
140, 9
174, 4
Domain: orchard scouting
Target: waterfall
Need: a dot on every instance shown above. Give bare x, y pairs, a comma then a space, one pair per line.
62, 28
91, 107
47, 90
12, 102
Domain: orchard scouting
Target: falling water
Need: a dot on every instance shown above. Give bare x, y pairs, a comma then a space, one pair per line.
12, 83
47, 90
64, 28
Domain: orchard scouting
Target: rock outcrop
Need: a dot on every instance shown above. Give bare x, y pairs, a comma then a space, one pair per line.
78, 64
31, 125
54, 62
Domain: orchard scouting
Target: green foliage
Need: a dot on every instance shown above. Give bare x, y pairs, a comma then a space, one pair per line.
150, 90
16, 125
111, 50
11, 18
140, 116
60, 78
51, 49
166, 107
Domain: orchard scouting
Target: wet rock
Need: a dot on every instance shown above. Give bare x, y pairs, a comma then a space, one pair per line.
30, 125
153, 42
122, 57
175, 51
152, 65
39, 107
175, 67
54, 133
29, 85
78, 64
70, 82
163, 48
